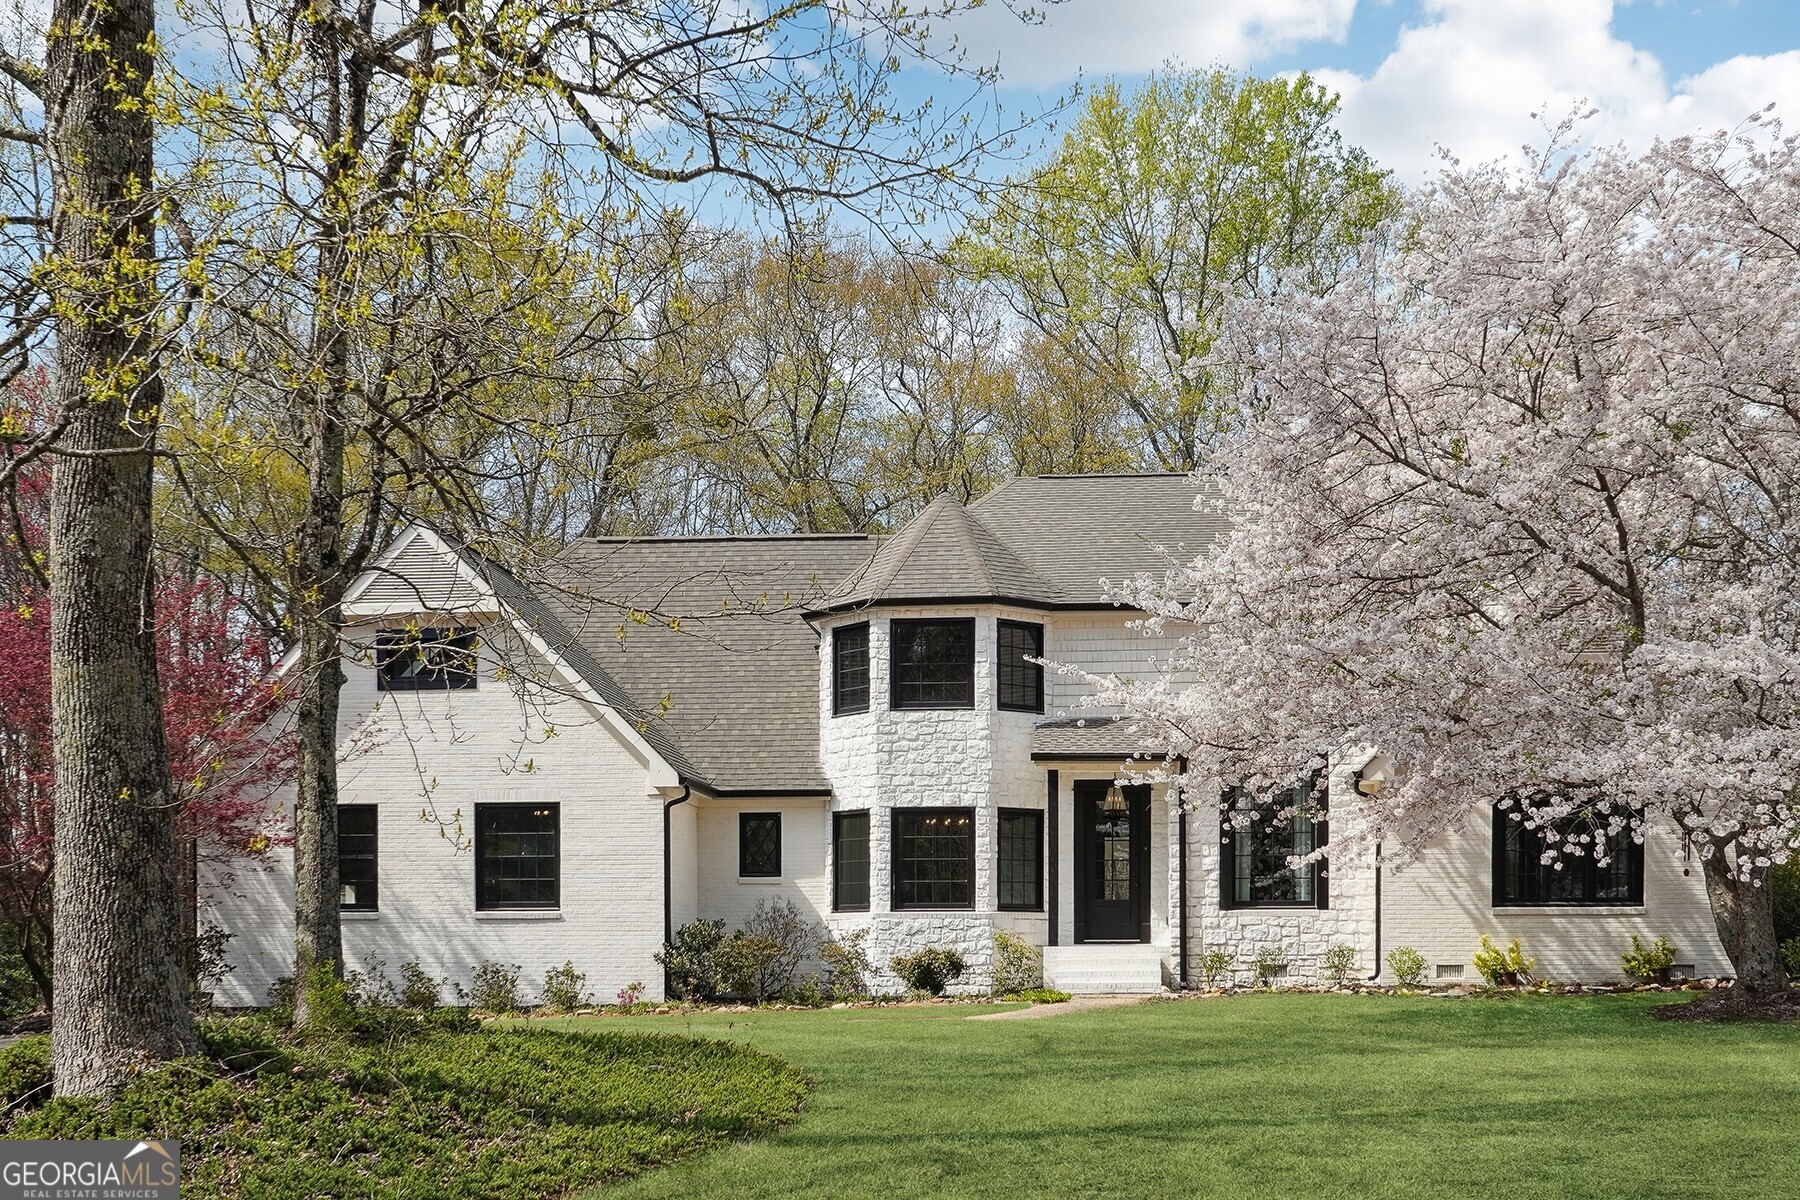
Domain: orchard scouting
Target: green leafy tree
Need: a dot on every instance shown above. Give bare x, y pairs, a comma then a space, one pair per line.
1120, 252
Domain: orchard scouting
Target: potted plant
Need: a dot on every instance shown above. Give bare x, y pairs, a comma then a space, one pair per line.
1650, 964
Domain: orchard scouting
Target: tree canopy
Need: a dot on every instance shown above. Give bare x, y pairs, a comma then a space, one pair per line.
1518, 508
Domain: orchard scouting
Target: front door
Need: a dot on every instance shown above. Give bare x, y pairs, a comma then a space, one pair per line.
1112, 865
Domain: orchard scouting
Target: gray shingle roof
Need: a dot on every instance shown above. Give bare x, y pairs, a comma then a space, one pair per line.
946, 551
735, 686
1075, 530
730, 697
1092, 737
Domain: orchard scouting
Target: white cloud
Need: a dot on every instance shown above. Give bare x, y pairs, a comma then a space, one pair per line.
1472, 73
1105, 36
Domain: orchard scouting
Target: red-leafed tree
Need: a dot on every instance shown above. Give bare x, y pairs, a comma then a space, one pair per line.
226, 747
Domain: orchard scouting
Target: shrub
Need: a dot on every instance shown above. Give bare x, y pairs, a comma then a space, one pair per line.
371, 988
1508, 967
209, 957
804, 992
1338, 963
1790, 954
847, 966
929, 970
690, 959
1784, 880
1267, 963
333, 1000
794, 936
1018, 965
1642, 963
1042, 995
24, 1073
419, 991
565, 988
1214, 966
751, 967
1408, 966
494, 987
631, 993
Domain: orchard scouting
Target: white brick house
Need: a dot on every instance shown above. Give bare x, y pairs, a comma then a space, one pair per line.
661, 729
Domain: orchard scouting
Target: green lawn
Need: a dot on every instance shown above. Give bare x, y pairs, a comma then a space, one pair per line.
1265, 1096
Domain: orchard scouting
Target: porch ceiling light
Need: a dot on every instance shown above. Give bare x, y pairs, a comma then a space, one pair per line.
1114, 803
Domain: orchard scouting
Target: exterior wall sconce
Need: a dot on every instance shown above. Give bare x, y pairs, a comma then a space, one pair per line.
1114, 804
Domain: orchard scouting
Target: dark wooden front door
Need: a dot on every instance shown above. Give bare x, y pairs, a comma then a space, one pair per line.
1112, 865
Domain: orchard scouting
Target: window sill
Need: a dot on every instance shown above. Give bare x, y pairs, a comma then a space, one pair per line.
358, 914
518, 914
761, 880
1581, 910
1291, 908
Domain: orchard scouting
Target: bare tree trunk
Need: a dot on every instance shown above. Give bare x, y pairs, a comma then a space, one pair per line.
1744, 911
318, 934
118, 962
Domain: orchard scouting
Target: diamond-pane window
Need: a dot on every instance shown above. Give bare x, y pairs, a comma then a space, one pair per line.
759, 845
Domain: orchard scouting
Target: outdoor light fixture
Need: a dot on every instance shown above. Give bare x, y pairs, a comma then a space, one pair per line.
1374, 775
1114, 803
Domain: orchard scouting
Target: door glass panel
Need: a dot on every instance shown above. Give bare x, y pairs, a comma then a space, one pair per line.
1112, 841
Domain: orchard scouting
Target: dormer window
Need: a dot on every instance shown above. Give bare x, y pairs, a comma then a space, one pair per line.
424, 660
933, 663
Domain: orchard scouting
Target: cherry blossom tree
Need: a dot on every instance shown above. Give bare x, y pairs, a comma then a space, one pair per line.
1520, 507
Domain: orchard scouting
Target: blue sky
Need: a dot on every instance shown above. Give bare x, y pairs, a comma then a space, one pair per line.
1466, 74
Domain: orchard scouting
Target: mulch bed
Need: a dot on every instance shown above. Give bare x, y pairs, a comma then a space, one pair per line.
1727, 1005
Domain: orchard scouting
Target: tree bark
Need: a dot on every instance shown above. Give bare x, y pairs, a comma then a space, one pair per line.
121, 999
1743, 910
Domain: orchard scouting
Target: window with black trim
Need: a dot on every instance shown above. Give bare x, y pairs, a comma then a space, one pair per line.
1020, 878
850, 669
759, 845
934, 858
1522, 878
424, 660
850, 862
517, 856
933, 663
1253, 860
1021, 683
358, 865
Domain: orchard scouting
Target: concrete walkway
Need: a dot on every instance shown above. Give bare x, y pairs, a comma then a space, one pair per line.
1073, 1005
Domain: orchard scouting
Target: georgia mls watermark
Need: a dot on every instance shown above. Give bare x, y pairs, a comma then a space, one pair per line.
90, 1170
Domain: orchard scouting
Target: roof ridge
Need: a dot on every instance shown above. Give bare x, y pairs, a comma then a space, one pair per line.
990, 583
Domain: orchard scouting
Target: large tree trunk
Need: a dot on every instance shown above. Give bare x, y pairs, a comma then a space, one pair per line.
1743, 909
121, 998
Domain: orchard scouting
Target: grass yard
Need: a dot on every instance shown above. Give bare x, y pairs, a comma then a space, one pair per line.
422, 1114
1303, 1095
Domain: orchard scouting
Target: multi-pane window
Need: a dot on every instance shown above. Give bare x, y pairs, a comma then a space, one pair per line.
1021, 683
420, 660
1021, 873
517, 862
1522, 877
1255, 860
850, 862
934, 858
356, 846
933, 663
759, 845
850, 668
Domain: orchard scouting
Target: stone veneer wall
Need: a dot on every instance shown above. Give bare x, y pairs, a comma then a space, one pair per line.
885, 759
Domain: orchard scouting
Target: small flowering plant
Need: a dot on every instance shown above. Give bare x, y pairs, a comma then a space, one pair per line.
631, 993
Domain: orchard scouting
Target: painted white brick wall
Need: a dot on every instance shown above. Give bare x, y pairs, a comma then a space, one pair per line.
1443, 903
440, 754
724, 895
